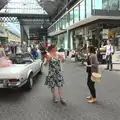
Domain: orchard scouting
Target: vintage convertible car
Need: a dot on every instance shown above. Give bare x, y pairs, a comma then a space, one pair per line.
21, 72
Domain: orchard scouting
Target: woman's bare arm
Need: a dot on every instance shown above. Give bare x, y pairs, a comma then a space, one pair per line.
60, 57
47, 58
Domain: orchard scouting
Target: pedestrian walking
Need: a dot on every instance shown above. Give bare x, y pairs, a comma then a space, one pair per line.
109, 53
92, 66
39, 53
54, 78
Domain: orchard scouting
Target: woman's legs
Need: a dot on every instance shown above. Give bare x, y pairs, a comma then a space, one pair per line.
91, 86
54, 94
60, 92
60, 95
92, 89
44, 61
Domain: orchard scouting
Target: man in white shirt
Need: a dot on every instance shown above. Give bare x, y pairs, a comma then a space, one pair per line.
109, 52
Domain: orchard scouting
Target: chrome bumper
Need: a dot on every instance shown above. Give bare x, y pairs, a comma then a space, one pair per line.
7, 84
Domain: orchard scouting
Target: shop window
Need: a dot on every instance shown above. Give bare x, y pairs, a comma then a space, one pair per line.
61, 23
94, 41
76, 14
97, 4
64, 22
113, 4
105, 5
67, 19
117, 43
88, 8
82, 10
58, 25
71, 17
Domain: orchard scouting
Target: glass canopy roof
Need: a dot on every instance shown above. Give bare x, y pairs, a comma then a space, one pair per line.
23, 7
14, 28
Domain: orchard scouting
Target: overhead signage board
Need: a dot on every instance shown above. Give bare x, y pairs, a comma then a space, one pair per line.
34, 38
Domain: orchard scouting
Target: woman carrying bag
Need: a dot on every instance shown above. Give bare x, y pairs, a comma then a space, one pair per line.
92, 67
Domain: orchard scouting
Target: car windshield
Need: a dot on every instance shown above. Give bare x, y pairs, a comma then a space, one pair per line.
23, 57
26, 57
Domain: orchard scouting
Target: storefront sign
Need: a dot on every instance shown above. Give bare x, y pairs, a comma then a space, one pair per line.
105, 33
116, 57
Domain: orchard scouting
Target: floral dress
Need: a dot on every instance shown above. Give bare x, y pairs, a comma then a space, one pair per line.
54, 78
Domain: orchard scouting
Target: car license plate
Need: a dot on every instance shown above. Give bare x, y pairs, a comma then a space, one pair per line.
104, 56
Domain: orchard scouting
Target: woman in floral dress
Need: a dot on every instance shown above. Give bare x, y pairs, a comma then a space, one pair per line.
55, 78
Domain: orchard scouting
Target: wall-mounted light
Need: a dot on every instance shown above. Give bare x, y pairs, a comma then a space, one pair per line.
41, 26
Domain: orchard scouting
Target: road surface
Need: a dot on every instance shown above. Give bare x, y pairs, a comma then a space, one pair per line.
37, 104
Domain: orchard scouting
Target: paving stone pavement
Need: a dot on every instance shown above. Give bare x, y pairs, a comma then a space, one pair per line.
116, 68
37, 104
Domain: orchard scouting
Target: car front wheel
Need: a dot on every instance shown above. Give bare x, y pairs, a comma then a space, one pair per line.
29, 83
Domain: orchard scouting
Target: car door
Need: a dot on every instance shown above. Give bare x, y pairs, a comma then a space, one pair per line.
39, 63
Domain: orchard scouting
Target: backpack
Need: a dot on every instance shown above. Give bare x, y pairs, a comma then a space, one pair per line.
36, 54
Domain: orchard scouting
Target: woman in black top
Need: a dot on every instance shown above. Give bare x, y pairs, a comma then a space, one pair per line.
92, 66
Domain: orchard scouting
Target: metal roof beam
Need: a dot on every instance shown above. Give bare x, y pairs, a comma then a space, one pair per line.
22, 16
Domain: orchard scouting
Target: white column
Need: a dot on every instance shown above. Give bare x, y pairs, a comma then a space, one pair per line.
58, 42
71, 40
65, 41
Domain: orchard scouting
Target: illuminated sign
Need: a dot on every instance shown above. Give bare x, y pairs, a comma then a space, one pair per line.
34, 38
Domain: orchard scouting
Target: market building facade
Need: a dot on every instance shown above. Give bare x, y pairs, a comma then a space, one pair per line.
85, 23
